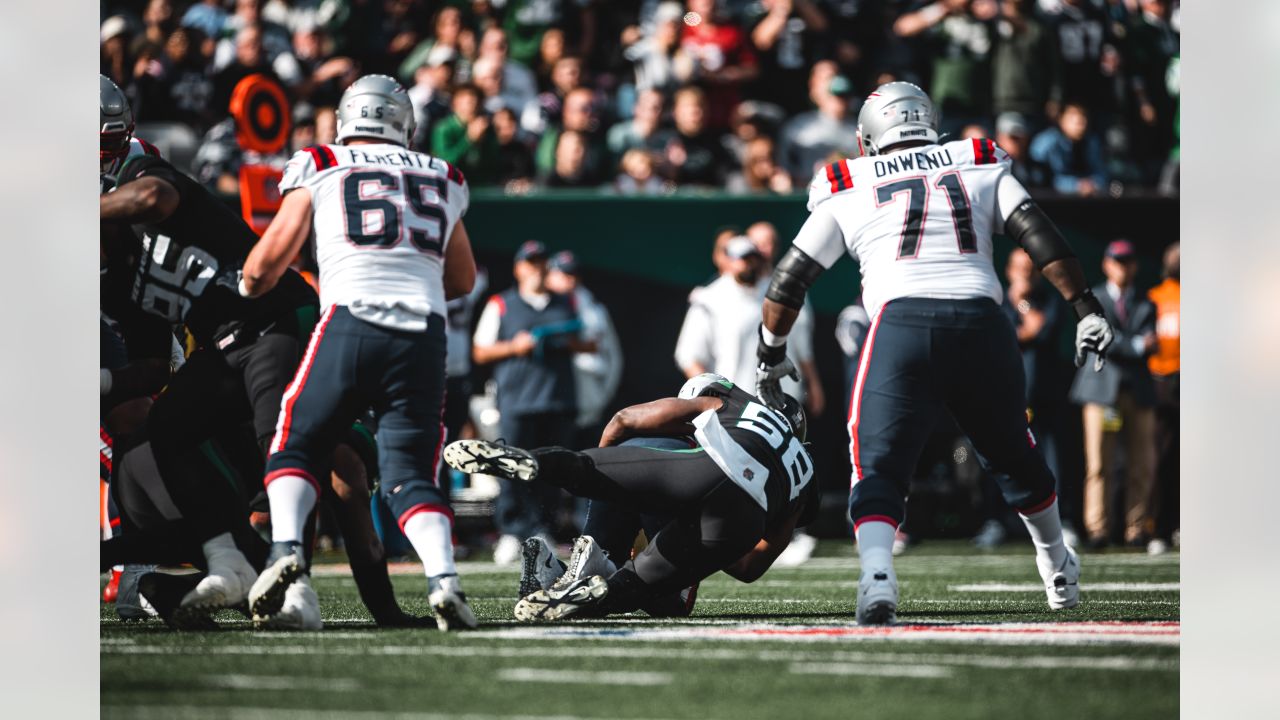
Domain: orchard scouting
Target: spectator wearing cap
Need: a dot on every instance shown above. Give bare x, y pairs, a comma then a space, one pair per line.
1013, 136
809, 139
529, 335
596, 374
1071, 154
720, 329
114, 61
430, 92
1120, 400
1166, 368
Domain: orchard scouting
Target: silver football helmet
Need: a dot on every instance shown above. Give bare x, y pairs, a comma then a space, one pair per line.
376, 107
116, 125
896, 112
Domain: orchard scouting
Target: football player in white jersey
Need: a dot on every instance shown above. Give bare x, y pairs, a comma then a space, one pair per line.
919, 216
392, 249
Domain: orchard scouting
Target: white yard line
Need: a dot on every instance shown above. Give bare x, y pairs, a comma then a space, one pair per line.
906, 671
566, 677
279, 682
527, 650
995, 587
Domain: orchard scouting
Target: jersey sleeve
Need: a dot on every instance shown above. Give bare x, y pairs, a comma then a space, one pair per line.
459, 190
1009, 195
986, 152
829, 180
821, 237
301, 167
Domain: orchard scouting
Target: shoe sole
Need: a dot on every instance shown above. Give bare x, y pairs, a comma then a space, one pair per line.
452, 613
879, 612
546, 606
530, 551
478, 457
271, 599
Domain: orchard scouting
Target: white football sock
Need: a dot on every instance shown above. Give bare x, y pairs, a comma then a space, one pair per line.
1045, 527
431, 534
218, 546
292, 498
875, 544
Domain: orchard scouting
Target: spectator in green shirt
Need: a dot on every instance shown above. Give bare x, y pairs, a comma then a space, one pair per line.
466, 138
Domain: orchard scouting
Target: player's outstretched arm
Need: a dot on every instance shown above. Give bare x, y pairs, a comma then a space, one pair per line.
279, 245
818, 244
669, 416
147, 200
459, 264
1035, 232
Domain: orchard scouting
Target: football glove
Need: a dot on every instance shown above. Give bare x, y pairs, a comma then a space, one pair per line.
773, 365
1093, 332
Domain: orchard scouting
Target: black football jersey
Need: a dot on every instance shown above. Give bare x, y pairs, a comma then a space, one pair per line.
748, 438
183, 269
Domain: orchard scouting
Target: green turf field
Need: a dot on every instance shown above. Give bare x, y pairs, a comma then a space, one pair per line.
974, 640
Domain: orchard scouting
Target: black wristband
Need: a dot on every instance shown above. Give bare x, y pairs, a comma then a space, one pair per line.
767, 354
1087, 304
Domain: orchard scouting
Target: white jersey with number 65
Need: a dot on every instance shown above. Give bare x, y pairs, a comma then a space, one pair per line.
382, 217
918, 221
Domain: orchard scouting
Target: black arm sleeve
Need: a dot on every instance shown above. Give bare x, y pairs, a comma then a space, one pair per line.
1036, 233
793, 277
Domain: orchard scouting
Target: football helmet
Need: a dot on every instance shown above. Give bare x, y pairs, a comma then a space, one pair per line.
793, 411
896, 112
376, 107
115, 126
698, 385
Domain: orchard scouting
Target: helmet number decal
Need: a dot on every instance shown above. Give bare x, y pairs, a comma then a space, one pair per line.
379, 213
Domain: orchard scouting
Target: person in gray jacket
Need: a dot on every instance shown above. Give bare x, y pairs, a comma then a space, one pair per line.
1120, 400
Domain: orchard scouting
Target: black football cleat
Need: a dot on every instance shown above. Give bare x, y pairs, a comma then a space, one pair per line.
165, 593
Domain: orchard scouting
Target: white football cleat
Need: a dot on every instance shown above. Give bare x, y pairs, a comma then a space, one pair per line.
226, 585
285, 564
588, 559
1062, 585
447, 601
541, 568
562, 602
798, 551
877, 597
486, 458
300, 611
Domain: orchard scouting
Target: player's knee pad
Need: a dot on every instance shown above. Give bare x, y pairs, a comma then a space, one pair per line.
876, 495
409, 494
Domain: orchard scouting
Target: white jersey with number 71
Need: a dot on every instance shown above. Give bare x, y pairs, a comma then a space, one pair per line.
919, 221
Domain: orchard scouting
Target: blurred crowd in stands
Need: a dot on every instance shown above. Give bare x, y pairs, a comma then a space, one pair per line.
649, 96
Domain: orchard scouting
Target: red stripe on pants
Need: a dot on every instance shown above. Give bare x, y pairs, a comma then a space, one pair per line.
299, 381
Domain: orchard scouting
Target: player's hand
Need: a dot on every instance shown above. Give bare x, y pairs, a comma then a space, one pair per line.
523, 343
1093, 335
773, 365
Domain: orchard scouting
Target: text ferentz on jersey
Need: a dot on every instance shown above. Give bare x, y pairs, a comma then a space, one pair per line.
397, 159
